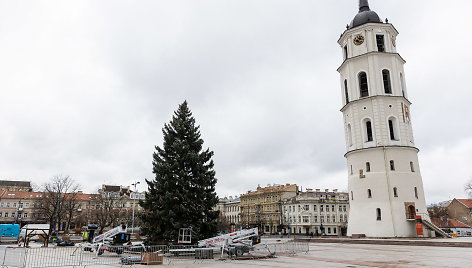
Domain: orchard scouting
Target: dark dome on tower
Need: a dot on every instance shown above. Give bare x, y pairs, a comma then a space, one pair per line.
365, 15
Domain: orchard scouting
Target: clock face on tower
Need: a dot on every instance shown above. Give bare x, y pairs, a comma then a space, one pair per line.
358, 40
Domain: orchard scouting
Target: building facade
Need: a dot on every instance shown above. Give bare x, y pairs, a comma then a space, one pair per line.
316, 213
385, 184
461, 209
20, 207
15, 186
263, 208
230, 209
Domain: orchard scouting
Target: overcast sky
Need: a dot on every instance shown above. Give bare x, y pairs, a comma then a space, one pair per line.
86, 87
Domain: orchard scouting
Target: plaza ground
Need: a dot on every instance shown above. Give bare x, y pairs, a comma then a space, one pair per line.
352, 255
329, 255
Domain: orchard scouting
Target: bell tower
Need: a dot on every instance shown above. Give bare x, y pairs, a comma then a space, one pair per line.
385, 184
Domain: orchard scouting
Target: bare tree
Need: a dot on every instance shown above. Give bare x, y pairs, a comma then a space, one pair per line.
59, 194
438, 211
468, 188
107, 213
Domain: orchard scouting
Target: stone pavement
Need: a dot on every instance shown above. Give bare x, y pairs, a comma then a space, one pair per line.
351, 255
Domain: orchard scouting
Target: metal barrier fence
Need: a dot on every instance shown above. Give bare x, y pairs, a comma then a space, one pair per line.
87, 255
287, 248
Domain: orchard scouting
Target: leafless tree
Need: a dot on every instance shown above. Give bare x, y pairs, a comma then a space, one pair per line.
107, 213
468, 188
438, 211
59, 194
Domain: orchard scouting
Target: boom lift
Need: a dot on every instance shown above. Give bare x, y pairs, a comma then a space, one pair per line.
111, 240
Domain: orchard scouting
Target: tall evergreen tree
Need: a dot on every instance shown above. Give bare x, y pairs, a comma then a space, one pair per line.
183, 193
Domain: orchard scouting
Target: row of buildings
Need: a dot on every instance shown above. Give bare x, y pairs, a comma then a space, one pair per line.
110, 205
286, 209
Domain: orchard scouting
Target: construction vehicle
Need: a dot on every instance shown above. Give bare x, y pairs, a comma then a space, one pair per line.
234, 244
112, 241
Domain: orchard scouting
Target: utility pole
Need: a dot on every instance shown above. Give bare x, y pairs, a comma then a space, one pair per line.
132, 219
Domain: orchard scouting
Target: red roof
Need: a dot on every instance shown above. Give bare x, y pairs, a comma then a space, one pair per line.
466, 202
449, 223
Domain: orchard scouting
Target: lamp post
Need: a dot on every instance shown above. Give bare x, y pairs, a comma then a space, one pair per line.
132, 218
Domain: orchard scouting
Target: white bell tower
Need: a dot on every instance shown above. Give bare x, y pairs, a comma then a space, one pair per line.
385, 185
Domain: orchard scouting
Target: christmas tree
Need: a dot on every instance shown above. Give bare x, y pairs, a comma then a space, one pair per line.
182, 195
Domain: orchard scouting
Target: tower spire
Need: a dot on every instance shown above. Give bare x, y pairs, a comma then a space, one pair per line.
363, 5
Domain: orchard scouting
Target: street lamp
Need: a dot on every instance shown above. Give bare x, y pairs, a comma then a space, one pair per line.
132, 219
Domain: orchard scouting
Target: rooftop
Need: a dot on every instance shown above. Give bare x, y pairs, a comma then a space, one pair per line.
449, 223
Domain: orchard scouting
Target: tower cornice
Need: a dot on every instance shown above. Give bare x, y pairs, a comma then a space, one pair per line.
367, 26
374, 97
369, 54
380, 147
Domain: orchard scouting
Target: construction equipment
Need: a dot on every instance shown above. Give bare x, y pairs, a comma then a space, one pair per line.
234, 244
111, 241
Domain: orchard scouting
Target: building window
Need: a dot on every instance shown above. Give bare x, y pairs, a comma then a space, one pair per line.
8, 205
369, 193
334, 230
412, 167
332, 208
379, 214
13, 215
340, 208
392, 165
6, 214
322, 219
391, 129
329, 230
351, 170
352, 195
26, 205
314, 207
346, 93
305, 219
307, 207
1, 204
395, 192
387, 82
367, 167
316, 218
344, 208
368, 127
1, 214
380, 43
345, 52
327, 208
416, 193
14, 205
363, 85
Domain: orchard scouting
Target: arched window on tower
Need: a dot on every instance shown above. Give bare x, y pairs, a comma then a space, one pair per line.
395, 192
346, 93
363, 85
392, 165
386, 81
369, 193
379, 214
368, 129
390, 128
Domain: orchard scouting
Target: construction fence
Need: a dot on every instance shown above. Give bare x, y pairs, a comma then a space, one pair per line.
87, 256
